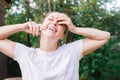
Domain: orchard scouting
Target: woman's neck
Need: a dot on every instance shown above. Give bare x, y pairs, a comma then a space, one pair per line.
47, 44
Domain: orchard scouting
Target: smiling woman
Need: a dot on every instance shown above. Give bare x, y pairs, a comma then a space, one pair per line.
50, 61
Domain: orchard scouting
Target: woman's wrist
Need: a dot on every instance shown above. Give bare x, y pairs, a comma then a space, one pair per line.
73, 29
21, 27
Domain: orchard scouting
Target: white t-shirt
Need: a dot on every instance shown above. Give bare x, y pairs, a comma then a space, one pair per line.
62, 64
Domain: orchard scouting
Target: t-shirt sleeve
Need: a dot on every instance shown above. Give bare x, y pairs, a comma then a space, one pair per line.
20, 51
76, 48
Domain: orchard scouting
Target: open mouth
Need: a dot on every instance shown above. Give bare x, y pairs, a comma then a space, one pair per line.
52, 29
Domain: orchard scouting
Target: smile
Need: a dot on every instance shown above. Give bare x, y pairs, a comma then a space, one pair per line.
53, 29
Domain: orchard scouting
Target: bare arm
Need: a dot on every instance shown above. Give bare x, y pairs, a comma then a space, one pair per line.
7, 46
6, 31
95, 38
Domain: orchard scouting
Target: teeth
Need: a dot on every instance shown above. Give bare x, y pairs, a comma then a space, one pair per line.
52, 29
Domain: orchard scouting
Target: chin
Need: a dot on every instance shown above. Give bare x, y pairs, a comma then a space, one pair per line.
50, 35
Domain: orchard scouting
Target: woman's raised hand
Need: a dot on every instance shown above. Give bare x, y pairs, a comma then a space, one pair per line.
64, 19
32, 28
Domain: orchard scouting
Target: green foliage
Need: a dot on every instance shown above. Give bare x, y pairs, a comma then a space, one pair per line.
103, 64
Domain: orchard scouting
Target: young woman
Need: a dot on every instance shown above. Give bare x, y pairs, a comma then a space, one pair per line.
49, 61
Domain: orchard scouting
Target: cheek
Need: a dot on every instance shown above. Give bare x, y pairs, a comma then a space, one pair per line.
62, 31
45, 23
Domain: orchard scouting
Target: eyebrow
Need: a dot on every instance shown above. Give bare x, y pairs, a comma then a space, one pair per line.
52, 17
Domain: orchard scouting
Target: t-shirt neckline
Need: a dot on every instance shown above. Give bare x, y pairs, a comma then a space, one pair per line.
46, 53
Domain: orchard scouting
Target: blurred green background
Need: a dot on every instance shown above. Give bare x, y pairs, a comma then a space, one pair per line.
102, 64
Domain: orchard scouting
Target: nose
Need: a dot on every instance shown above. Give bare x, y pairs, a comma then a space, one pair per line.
54, 22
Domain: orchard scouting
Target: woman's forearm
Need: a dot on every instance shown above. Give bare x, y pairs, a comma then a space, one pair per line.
92, 33
6, 31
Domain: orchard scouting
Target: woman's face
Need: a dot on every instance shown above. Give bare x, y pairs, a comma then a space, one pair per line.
53, 29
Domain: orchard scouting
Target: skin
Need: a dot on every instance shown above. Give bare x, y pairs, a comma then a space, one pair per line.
49, 38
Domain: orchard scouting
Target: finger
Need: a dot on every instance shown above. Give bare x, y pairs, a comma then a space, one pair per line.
39, 33
37, 29
61, 19
34, 28
30, 27
63, 22
40, 25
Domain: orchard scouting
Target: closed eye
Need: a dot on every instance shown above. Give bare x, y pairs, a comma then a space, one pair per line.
50, 19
